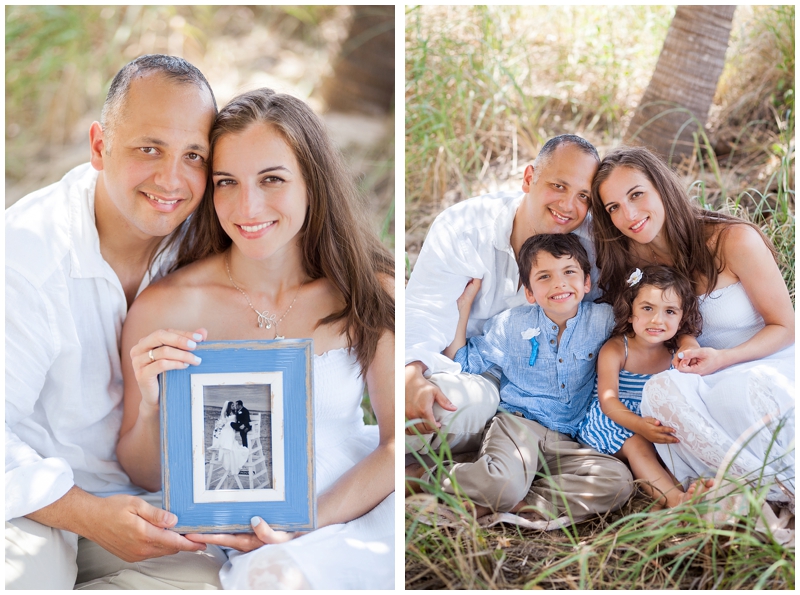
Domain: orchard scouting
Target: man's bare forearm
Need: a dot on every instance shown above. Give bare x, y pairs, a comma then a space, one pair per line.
414, 383
126, 526
68, 512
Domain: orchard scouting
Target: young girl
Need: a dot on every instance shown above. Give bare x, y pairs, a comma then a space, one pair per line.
657, 305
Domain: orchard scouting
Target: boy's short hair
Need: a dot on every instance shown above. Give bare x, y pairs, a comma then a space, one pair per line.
555, 244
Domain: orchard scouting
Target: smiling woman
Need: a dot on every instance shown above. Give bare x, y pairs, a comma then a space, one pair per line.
730, 397
279, 247
259, 190
636, 210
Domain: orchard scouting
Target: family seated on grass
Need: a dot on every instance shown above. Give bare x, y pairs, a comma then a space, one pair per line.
699, 304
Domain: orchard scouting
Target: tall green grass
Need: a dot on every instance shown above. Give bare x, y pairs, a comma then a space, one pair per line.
771, 205
60, 60
490, 83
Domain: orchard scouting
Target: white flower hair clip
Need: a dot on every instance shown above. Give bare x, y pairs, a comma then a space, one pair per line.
530, 333
635, 277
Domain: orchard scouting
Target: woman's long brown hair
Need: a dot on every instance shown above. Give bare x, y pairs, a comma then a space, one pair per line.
688, 228
337, 242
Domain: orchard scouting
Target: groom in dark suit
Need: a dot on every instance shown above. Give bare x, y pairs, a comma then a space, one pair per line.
242, 423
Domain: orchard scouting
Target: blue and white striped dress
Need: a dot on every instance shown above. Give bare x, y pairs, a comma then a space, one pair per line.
598, 430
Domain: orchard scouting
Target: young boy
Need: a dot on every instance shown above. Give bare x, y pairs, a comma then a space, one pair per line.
546, 355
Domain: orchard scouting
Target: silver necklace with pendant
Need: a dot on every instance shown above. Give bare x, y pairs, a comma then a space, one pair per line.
265, 319
653, 252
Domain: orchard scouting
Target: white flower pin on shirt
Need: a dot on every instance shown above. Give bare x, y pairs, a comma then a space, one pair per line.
530, 335
635, 277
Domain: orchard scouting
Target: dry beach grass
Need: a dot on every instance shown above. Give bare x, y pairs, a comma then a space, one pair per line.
635, 547
627, 549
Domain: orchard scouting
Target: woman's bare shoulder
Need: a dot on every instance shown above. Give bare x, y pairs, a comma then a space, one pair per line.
326, 294
172, 298
731, 237
325, 284
194, 275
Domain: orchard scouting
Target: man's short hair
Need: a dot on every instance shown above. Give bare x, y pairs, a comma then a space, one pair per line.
240, 403
555, 244
173, 68
543, 158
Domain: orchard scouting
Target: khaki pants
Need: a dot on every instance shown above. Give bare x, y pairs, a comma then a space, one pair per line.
40, 557
521, 459
476, 398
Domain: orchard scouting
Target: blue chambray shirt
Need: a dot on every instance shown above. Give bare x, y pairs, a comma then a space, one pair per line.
556, 390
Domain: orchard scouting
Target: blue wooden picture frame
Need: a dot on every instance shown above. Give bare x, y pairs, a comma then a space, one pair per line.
280, 374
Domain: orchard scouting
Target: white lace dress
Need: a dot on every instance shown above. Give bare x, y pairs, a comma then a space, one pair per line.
354, 555
743, 413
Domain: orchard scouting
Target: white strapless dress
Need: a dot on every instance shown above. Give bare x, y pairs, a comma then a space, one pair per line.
746, 410
354, 555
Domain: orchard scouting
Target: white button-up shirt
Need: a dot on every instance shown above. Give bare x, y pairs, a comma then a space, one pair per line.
471, 239
64, 312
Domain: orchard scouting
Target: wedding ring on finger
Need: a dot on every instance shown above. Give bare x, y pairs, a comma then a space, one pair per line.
152, 359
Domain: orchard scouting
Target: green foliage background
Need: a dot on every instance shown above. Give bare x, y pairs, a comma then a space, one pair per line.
487, 85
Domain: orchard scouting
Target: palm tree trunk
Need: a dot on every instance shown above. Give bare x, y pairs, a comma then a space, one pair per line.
676, 102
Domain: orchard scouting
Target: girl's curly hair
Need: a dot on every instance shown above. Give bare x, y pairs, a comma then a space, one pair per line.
663, 278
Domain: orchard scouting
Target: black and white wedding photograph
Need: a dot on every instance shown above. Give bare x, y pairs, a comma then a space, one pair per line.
237, 437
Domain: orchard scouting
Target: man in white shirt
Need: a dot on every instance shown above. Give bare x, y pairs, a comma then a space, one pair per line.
479, 238
77, 254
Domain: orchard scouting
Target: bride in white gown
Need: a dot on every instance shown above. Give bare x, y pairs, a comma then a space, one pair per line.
731, 397
232, 454
283, 250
